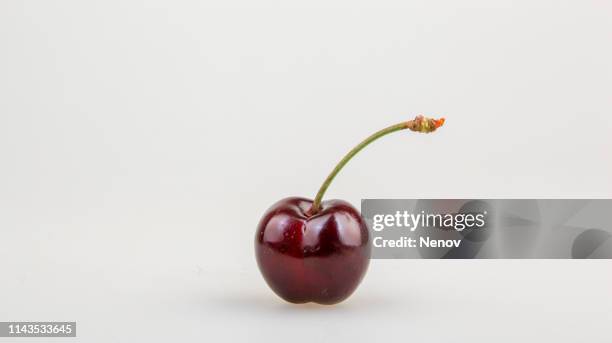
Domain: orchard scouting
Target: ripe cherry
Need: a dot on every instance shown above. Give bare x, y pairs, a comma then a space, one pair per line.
318, 251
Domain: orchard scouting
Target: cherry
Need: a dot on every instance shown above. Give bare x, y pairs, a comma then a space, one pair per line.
320, 257
318, 251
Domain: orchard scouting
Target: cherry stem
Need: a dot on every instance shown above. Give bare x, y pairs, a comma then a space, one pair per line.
418, 124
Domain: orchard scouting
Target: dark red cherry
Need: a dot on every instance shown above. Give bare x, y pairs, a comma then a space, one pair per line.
318, 258
314, 250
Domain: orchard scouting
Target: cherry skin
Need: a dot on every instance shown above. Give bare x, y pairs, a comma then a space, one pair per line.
318, 258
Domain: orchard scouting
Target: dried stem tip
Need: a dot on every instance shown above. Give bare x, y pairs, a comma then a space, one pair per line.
425, 125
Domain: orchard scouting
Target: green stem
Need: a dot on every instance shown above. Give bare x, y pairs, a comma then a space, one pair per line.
316, 205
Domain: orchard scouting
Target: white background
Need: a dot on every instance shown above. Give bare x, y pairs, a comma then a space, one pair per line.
140, 142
